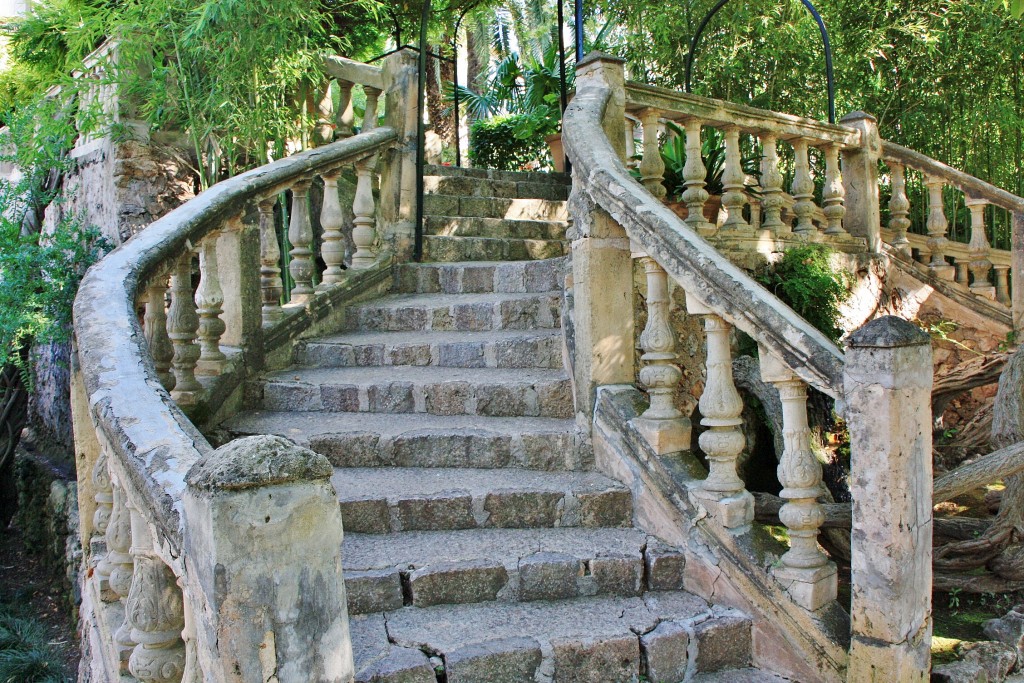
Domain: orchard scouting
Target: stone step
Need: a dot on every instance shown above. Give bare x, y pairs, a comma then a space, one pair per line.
494, 392
463, 226
493, 207
494, 174
476, 277
509, 565
666, 636
745, 675
380, 500
458, 312
488, 349
462, 186
448, 249
422, 440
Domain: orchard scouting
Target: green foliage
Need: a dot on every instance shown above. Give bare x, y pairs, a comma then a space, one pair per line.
493, 143
26, 656
806, 279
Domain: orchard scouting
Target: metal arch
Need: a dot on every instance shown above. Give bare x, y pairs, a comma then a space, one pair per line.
824, 39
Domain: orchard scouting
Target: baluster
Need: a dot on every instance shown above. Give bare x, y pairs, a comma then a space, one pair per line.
803, 190
771, 184
363, 233
270, 269
370, 113
333, 248
733, 198
937, 228
122, 566
104, 498
807, 573
300, 234
155, 610
961, 273
694, 172
345, 116
662, 424
210, 306
899, 209
160, 347
834, 196
182, 325
324, 113
721, 405
1003, 284
652, 167
979, 247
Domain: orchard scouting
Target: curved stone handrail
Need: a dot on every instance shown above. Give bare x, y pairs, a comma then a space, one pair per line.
686, 257
153, 439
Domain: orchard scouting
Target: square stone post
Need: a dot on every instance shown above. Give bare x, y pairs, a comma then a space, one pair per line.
263, 554
398, 168
860, 181
887, 383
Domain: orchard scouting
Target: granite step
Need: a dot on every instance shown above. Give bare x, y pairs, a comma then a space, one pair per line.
744, 675
462, 186
509, 565
495, 174
463, 226
481, 277
449, 249
380, 500
423, 440
488, 349
542, 209
665, 636
457, 312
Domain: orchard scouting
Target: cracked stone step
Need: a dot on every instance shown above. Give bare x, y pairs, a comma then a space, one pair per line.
448, 249
462, 226
510, 565
747, 675
380, 500
423, 440
546, 209
489, 349
672, 636
494, 392
462, 186
461, 312
494, 174
476, 277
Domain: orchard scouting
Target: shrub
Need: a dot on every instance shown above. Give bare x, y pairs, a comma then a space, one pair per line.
806, 279
493, 143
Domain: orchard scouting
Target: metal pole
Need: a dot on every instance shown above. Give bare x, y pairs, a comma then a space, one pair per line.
421, 133
579, 31
561, 54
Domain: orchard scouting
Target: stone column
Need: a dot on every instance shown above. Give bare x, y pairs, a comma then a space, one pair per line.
182, 325
734, 197
370, 112
262, 550
210, 306
160, 347
771, 183
860, 180
332, 250
938, 226
887, 385
364, 234
803, 190
980, 265
300, 235
652, 167
155, 611
1002, 285
271, 286
695, 172
834, 195
398, 170
899, 209
345, 116
122, 570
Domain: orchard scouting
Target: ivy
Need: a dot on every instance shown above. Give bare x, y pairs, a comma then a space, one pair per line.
806, 279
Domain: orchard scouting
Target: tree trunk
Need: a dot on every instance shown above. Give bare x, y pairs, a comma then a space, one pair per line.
439, 73
1008, 429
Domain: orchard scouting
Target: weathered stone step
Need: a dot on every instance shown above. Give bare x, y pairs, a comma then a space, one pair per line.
494, 392
510, 565
422, 440
462, 186
668, 636
448, 249
461, 312
745, 675
465, 226
493, 207
488, 349
494, 174
476, 277
378, 500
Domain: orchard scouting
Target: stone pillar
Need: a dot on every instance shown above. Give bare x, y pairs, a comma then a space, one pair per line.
332, 249
1002, 294
980, 265
345, 116
240, 265
210, 306
887, 385
803, 190
610, 71
398, 170
771, 183
262, 549
364, 234
834, 195
182, 325
695, 173
860, 179
160, 347
300, 236
155, 611
271, 286
899, 209
734, 196
938, 226
652, 166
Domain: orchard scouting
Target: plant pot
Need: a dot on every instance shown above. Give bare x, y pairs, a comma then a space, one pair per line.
557, 152
712, 207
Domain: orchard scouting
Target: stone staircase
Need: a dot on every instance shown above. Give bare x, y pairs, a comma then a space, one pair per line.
481, 545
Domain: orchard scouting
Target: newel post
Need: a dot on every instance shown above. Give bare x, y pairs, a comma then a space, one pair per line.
887, 383
398, 170
863, 217
263, 552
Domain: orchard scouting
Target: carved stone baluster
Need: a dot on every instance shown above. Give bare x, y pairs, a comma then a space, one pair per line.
363, 233
723, 492
771, 187
300, 234
155, 610
834, 195
694, 172
899, 209
937, 228
734, 197
652, 167
803, 190
804, 570
160, 347
270, 265
182, 324
961, 273
370, 113
324, 131
1003, 284
104, 498
210, 306
122, 567
662, 424
980, 264
345, 115
333, 248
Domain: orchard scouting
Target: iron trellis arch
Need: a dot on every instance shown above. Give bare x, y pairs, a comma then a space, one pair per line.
824, 39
